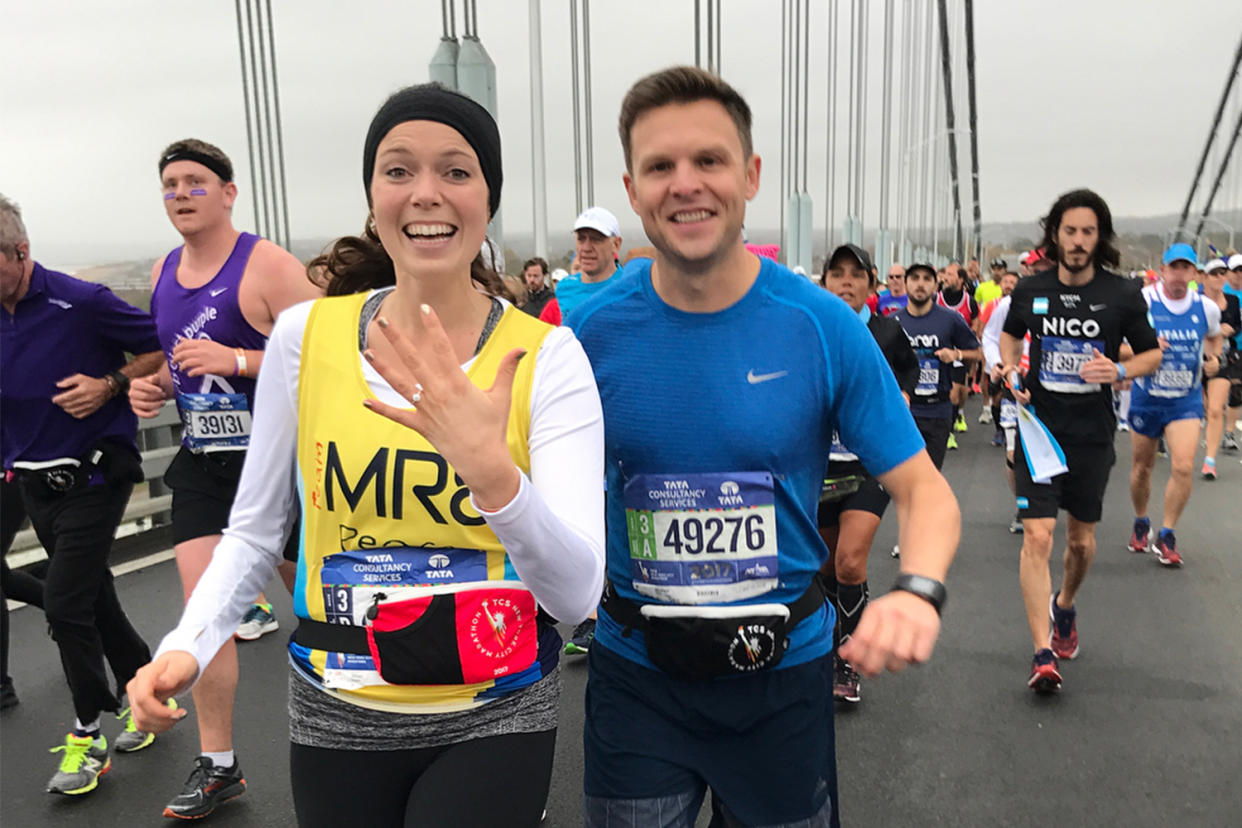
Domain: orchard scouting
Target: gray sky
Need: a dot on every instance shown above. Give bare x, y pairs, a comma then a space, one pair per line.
1112, 94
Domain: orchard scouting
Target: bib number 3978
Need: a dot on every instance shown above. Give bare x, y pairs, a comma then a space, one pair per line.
702, 538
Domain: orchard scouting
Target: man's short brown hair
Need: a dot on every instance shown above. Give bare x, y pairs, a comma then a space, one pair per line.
194, 145
537, 260
682, 85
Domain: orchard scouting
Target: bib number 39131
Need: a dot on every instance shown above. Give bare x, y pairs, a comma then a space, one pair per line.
215, 421
702, 538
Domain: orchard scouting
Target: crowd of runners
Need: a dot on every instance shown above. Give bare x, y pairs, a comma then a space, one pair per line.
687, 454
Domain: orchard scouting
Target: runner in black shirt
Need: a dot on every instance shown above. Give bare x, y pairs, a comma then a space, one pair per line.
852, 502
1077, 317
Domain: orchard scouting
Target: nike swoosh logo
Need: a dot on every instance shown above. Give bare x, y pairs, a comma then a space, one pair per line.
755, 379
216, 293
1098, 307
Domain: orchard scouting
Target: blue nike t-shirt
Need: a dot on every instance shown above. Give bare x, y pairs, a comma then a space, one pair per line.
717, 429
572, 291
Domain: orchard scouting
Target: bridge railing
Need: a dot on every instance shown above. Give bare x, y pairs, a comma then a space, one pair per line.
149, 505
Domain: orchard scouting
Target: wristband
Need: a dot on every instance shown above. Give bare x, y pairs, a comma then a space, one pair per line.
1121, 371
929, 589
241, 362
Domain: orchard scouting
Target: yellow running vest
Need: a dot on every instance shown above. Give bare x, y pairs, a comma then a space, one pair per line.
387, 526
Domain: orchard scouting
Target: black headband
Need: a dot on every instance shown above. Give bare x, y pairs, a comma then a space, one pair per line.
433, 102
213, 164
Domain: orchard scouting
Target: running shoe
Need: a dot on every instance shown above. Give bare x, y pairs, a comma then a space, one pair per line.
257, 621
959, 424
1015, 526
1209, 468
952, 444
1063, 640
1122, 425
131, 738
998, 439
8, 694
975, 389
846, 682
85, 760
1140, 538
580, 642
896, 553
1161, 448
1045, 677
1166, 549
205, 789
985, 416
1229, 441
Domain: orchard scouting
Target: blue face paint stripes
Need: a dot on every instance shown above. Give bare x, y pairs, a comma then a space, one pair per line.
169, 196
198, 192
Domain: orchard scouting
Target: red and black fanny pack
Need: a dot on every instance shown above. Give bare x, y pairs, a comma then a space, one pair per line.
462, 637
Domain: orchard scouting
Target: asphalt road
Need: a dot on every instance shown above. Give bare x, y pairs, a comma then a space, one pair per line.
1148, 730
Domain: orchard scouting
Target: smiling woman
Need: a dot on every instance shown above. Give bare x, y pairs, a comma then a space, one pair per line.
447, 449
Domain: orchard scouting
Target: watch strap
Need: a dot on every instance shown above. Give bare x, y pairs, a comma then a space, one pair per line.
929, 589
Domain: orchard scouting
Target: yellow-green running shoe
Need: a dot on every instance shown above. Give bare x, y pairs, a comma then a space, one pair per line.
131, 738
85, 760
952, 444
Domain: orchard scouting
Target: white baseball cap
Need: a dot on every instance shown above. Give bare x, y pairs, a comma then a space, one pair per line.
599, 219
1235, 261
558, 274
1213, 264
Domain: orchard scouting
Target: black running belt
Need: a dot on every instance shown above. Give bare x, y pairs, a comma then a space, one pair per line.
628, 613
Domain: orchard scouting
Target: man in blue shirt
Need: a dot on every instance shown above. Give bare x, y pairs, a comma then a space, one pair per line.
723, 377
940, 339
597, 243
1169, 403
68, 436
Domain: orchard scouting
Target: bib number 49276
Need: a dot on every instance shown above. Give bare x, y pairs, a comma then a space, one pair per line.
715, 535
702, 538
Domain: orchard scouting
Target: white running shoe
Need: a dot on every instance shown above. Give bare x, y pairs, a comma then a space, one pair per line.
257, 621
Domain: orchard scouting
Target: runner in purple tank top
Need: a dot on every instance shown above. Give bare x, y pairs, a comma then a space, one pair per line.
214, 300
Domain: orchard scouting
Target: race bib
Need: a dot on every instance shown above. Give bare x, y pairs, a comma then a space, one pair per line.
1172, 382
702, 538
215, 421
929, 377
1061, 361
354, 581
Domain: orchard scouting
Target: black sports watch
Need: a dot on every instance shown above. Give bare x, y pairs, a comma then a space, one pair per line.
121, 381
929, 589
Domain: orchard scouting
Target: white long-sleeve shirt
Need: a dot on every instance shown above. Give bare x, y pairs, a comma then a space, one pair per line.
552, 530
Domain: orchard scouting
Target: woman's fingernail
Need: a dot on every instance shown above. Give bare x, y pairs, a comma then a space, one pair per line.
369, 355
425, 308
382, 321
521, 356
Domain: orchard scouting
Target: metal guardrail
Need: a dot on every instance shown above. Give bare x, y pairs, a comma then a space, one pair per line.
159, 440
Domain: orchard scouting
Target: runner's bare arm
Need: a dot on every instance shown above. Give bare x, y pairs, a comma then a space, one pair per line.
274, 280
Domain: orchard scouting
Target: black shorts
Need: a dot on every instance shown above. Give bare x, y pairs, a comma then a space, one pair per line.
1235, 397
995, 388
936, 436
869, 496
1080, 491
203, 488
959, 374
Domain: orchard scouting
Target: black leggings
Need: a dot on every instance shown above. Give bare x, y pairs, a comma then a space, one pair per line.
497, 780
